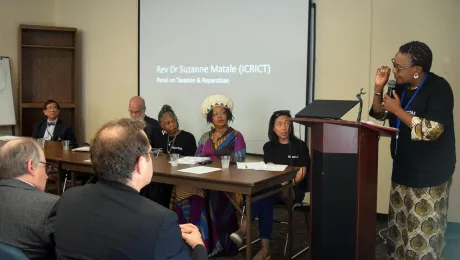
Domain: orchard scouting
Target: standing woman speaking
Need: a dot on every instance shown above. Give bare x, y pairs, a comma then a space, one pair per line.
423, 152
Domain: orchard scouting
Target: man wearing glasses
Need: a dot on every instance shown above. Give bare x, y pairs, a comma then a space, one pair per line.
53, 128
109, 219
27, 213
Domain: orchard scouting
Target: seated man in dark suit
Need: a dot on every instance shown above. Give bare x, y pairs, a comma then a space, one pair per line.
137, 112
27, 213
52, 128
109, 219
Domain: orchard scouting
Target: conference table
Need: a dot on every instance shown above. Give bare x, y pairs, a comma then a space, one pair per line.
254, 184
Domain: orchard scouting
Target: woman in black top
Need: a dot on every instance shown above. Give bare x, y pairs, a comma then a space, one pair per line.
423, 152
170, 139
286, 149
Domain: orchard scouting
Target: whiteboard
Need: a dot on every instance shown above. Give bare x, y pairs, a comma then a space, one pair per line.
7, 115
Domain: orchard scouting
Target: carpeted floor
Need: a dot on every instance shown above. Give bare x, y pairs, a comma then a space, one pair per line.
452, 251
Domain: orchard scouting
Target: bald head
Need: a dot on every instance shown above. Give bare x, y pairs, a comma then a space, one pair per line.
15, 155
137, 108
138, 101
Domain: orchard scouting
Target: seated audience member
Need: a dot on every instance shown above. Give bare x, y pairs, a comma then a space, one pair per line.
137, 111
283, 148
221, 140
27, 213
109, 219
170, 139
53, 128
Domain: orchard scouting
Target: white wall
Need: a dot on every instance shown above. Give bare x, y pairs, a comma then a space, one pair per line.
12, 14
108, 44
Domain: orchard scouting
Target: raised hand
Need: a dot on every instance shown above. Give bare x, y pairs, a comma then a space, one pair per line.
381, 78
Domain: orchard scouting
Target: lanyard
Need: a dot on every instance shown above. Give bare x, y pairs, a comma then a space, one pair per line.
398, 121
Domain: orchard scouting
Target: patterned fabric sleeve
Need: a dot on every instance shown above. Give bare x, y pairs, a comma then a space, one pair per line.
426, 130
201, 143
240, 148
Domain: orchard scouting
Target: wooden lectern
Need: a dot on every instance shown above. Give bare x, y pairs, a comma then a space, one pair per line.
343, 186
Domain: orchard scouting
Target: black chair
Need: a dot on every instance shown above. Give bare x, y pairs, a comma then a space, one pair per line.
303, 205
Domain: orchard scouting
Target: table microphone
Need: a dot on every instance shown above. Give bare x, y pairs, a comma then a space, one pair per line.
391, 86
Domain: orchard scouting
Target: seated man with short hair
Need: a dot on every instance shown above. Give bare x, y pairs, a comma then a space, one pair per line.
136, 109
53, 128
27, 213
110, 219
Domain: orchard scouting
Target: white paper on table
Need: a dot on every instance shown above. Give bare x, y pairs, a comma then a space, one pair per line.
8, 138
192, 160
199, 169
260, 166
88, 160
276, 167
251, 165
81, 149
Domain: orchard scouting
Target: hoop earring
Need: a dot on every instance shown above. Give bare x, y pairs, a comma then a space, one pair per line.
416, 75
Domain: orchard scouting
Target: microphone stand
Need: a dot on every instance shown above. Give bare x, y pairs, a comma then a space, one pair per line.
358, 96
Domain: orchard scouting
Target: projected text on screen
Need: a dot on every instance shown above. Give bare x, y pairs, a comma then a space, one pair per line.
254, 52
183, 74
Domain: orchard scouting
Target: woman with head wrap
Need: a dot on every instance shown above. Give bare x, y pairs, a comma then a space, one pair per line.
191, 203
220, 141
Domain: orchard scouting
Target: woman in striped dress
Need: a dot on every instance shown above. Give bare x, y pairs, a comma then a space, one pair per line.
191, 204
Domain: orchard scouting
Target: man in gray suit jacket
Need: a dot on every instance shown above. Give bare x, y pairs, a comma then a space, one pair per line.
27, 213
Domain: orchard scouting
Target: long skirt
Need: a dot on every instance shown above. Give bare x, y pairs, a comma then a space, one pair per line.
417, 222
215, 217
223, 222
193, 210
